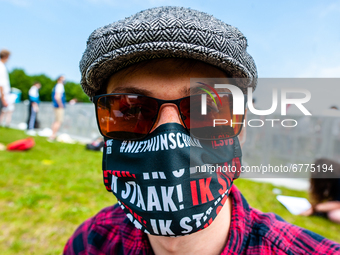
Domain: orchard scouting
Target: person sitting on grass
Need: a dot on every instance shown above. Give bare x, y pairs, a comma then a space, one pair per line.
325, 192
137, 72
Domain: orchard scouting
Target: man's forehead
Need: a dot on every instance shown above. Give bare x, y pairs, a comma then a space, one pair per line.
193, 89
163, 72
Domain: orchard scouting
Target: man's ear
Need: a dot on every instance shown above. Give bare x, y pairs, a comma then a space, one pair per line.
242, 136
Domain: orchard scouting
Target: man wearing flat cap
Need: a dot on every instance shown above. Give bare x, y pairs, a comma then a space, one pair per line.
152, 78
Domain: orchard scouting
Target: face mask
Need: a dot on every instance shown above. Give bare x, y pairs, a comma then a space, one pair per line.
171, 184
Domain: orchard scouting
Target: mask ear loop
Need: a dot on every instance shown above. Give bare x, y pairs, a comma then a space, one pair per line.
234, 146
236, 174
243, 131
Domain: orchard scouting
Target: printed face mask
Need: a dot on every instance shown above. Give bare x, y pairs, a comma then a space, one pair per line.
171, 184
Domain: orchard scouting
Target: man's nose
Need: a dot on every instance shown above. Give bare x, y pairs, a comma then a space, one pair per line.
168, 113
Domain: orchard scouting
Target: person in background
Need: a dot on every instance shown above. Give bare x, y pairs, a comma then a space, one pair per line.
33, 108
96, 145
59, 103
73, 101
325, 192
6, 107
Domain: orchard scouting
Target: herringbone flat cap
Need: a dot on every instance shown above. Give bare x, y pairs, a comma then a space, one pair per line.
165, 32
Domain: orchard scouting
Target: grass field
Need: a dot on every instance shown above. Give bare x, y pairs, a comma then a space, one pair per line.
48, 191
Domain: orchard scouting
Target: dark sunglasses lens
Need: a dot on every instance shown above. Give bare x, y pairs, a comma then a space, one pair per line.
126, 117
218, 122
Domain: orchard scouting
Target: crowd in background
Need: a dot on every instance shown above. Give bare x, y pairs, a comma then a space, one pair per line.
8, 99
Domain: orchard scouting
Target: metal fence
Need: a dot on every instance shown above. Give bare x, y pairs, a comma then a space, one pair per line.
79, 120
314, 136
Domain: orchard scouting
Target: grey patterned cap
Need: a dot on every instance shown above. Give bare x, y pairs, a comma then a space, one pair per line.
165, 32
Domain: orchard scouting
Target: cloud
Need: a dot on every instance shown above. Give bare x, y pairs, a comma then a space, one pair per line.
329, 9
330, 72
315, 71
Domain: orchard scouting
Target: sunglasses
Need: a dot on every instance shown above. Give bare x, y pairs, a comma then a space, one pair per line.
124, 116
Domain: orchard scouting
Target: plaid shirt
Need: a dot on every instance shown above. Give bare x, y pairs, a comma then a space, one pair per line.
251, 232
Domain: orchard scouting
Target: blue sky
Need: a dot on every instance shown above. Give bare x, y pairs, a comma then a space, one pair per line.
286, 38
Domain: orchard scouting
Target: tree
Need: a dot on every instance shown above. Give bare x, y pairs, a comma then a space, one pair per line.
74, 90
19, 79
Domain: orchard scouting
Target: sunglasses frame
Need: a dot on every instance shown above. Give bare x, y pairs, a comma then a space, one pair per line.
160, 102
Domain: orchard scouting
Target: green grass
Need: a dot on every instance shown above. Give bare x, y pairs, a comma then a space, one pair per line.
260, 196
46, 192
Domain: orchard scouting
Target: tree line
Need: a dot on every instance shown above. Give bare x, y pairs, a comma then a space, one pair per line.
19, 79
